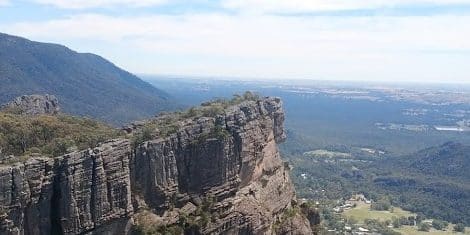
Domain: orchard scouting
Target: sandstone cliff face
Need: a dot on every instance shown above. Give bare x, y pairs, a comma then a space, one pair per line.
71, 194
226, 167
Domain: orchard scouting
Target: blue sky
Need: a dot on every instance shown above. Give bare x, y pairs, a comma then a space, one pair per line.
376, 40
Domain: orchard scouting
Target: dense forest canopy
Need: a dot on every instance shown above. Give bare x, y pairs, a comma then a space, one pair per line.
86, 84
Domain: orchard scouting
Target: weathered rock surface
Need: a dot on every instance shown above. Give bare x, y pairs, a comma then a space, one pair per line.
34, 105
227, 167
71, 194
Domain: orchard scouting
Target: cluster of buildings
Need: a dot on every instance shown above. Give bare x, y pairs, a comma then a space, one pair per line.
351, 203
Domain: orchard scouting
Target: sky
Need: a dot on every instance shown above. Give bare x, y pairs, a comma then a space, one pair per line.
367, 40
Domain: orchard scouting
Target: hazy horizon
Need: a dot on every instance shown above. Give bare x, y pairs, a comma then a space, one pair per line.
148, 77
420, 41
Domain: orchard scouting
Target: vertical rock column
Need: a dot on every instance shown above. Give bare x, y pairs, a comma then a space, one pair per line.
93, 187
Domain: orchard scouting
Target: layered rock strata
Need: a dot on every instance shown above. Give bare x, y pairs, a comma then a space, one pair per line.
225, 167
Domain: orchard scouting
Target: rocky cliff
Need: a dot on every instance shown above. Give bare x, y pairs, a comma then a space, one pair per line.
34, 105
219, 174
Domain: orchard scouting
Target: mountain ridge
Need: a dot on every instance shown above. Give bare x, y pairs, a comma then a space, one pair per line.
87, 84
451, 159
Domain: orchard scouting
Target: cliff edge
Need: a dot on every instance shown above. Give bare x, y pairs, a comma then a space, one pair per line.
216, 173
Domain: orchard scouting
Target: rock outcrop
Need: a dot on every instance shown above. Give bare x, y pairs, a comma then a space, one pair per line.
71, 194
34, 105
213, 175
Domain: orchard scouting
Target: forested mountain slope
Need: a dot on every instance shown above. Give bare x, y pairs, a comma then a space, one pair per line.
86, 84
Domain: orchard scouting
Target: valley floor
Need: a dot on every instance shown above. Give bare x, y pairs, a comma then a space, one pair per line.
362, 212
413, 230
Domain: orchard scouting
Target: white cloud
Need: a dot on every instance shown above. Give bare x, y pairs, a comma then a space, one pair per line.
4, 2
81, 4
269, 46
277, 6
288, 6
260, 35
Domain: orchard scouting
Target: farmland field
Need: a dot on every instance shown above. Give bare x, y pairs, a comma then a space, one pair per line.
362, 211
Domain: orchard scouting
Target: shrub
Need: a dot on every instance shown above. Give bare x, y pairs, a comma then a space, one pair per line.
49, 135
439, 224
424, 227
396, 222
459, 228
381, 205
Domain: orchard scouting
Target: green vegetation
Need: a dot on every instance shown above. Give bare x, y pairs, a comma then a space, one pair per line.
169, 123
363, 212
148, 223
459, 228
22, 135
424, 227
143, 135
218, 106
439, 224
383, 204
85, 84
435, 187
158, 230
50, 135
433, 182
413, 230
380, 226
286, 216
402, 221
359, 217
306, 210
217, 132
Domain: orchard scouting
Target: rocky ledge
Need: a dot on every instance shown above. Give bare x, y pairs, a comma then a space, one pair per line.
219, 174
33, 105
